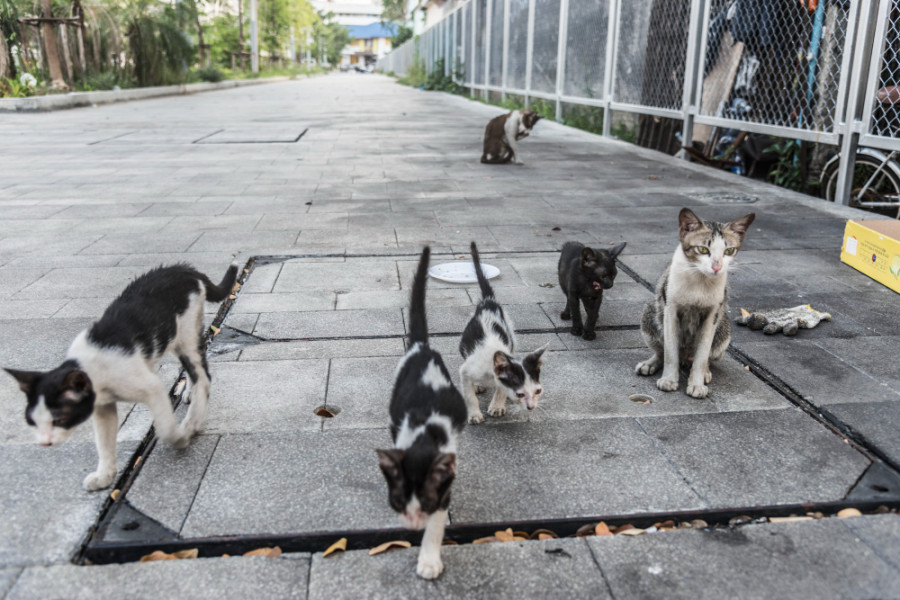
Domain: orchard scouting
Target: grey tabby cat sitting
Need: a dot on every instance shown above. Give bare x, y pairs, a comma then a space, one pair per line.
687, 321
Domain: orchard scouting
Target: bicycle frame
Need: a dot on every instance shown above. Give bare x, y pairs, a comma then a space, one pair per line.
864, 189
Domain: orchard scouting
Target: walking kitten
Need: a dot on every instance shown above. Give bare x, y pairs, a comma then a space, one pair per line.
427, 415
116, 358
502, 133
687, 322
487, 345
583, 275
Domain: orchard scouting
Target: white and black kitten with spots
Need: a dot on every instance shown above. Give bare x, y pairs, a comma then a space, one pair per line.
116, 360
488, 345
427, 415
687, 322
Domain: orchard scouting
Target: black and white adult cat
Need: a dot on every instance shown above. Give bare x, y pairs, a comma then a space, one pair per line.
427, 415
116, 358
488, 345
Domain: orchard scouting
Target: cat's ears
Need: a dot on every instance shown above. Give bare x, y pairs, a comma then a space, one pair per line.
390, 462
740, 226
588, 254
77, 381
26, 379
532, 362
443, 468
617, 249
688, 222
501, 362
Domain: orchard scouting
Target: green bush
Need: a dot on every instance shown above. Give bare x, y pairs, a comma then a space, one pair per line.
211, 74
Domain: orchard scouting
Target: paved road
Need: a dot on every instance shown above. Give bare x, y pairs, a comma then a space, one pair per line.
325, 190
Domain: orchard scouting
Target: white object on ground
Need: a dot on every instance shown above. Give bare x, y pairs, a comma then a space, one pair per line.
461, 272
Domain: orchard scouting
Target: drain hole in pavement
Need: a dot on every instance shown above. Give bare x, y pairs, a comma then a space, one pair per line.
130, 525
641, 398
327, 412
879, 488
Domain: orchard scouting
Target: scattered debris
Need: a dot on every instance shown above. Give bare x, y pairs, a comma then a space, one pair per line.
557, 552
215, 330
543, 534
640, 398
341, 545
848, 512
160, 555
324, 412
789, 519
268, 552
115, 494
601, 529
387, 545
556, 229
546, 285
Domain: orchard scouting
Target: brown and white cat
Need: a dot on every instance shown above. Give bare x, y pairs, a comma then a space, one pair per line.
687, 321
502, 133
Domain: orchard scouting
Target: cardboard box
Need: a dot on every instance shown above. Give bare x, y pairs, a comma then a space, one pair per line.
873, 248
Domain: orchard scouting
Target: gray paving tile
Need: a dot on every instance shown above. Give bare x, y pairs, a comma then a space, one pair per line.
46, 511
562, 470
875, 421
809, 559
881, 533
400, 298
284, 302
324, 349
453, 319
7, 579
348, 276
202, 578
761, 457
99, 282
550, 569
295, 481
330, 324
265, 396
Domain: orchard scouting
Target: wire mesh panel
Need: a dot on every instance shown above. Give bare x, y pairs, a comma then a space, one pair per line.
546, 41
465, 26
774, 62
496, 67
518, 44
651, 51
885, 119
480, 27
586, 48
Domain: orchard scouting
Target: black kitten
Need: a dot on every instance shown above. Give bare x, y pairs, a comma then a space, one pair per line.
116, 360
427, 414
583, 275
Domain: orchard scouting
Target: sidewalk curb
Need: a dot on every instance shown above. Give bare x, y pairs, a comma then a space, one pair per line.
80, 99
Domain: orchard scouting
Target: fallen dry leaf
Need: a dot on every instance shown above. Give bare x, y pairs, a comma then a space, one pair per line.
160, 555
505, 536
602, 528
387, 545
790, 519
622, 528
640, 398
449, 543
537, 533
557, 229
485, 540
665, 525
585, 530
215, 330
745, 312
341, 545
849, 512
324, 412
545, 536
632, 531
269, 552
115, 494
653, 177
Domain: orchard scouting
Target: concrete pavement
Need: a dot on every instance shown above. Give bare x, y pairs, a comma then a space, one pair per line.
325, 190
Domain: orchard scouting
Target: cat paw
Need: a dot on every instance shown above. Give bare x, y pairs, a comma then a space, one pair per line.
429, 568
476, 418
98, 480
697, 390
565, 315
589, 335
666, 384
707, 376
181, 439
496, 411
577, 331
648, 367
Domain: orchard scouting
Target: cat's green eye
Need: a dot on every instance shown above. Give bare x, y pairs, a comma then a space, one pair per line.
730, 251
702, 249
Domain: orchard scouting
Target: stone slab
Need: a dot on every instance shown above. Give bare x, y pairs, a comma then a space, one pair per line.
304, 481
761, 457
808, 559
557, 470
324, 349
7, 579
329, 324
875, 421
550, 569
881, 533
232, 578
347, 276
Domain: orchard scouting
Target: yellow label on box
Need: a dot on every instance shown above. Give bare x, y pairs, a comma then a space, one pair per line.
873, 248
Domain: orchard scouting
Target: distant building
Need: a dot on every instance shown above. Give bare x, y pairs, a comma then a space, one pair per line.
350, 12
425, 13
368, 43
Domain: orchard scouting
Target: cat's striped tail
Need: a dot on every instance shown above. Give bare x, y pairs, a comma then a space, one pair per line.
486, 291
418, 325
217, 293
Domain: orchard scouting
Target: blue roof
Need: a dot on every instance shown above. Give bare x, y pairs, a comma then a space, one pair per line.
372, 30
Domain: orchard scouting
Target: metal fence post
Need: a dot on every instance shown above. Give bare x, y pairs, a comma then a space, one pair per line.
862, 49
612, 26
693, 83
474, 22
505, 73
561, 55
488, 24
529, 53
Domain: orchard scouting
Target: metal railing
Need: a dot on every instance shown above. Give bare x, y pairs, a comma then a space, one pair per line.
825, 71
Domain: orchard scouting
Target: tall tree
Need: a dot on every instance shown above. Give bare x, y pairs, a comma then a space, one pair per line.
56, 76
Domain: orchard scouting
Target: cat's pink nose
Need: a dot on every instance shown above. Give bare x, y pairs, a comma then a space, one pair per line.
716, 267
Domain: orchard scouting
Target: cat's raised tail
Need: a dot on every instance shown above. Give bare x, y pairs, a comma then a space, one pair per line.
486, 291
418, 326
217, 293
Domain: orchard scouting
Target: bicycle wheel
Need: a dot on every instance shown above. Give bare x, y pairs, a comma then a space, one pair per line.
885, 187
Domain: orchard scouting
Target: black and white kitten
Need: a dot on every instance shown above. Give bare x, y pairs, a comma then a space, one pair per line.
427, 415
502, 133
583, 275
488, 345
116, 359
687, 322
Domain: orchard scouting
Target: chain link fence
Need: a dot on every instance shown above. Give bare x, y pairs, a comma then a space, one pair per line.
825, 71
